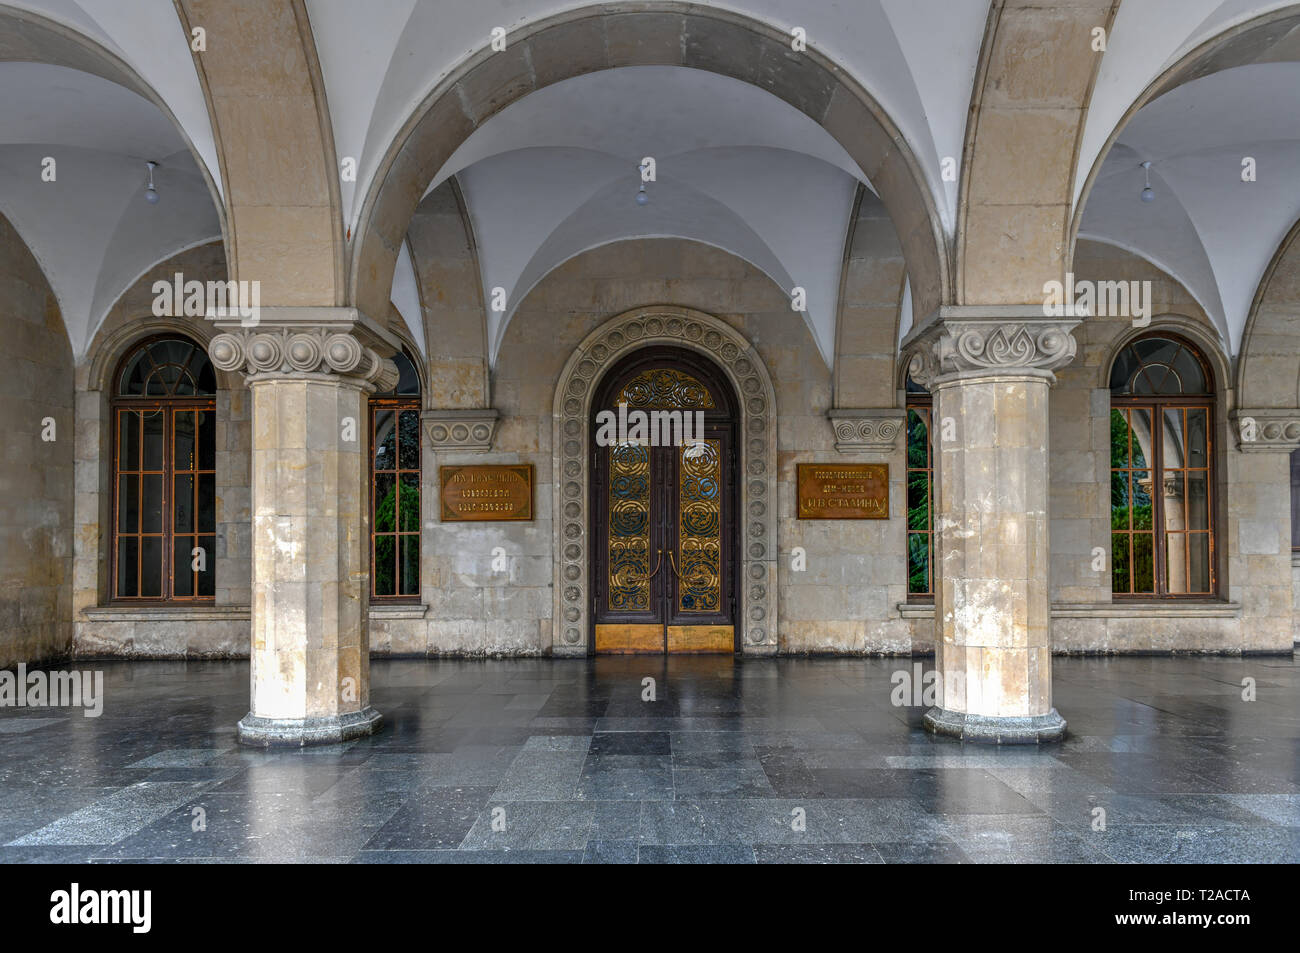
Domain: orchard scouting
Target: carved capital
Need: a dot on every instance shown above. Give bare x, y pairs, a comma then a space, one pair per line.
460, 431
280, 352
1271, 430
861, 430
297, 341
955, 345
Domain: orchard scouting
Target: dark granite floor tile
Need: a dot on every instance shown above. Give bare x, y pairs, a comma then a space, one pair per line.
1208, 844
817, 854
697, 854
468, 857
630, 742
610, 852
922, 852
779, 760
438, 818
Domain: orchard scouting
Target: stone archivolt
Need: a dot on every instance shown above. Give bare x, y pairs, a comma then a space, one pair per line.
603, 348
281, 351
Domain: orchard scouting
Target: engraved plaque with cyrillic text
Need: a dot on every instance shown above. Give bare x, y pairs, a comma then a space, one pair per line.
843, 491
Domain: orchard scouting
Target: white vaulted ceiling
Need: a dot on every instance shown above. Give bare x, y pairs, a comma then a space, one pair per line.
90, 228
557, 173
1207, 227
916, 57
550, 175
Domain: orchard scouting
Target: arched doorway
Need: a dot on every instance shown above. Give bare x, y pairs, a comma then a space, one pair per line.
572, 435
663, 515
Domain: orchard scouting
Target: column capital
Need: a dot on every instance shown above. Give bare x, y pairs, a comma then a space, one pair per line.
961, 342
463, 431
867, 429
297, 342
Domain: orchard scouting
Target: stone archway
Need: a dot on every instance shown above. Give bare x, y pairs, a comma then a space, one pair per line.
660, 33
758, 617
1266, 369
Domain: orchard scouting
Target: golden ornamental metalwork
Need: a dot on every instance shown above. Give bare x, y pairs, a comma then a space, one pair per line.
699, 535
665, 389
629, 527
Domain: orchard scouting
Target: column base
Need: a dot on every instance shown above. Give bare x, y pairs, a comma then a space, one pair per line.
299, 732
996, 729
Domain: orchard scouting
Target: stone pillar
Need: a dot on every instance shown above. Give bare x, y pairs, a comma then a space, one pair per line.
989, 377
309, 371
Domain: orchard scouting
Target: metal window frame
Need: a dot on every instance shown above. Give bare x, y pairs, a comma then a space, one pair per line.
397, 404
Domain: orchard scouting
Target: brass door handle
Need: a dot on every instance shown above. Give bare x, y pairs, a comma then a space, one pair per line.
674, 563
653, 572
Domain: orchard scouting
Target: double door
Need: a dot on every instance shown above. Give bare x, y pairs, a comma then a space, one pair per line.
664, 525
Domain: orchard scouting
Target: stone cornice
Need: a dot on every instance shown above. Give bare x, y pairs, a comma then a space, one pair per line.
460, 431
1267, 430
866, 430
967, 342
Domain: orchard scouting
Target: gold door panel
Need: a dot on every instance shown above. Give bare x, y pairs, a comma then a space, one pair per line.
630, 638
699, 528
701, 638
629, 528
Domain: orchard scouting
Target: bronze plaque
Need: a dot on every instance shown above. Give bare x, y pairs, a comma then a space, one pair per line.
843, 491
486, 492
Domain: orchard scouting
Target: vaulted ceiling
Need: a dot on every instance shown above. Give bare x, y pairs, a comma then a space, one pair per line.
110, 85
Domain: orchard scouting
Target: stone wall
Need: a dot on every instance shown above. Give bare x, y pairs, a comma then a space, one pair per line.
487, 588
846, 598
219, 630
1253, 544
36, 472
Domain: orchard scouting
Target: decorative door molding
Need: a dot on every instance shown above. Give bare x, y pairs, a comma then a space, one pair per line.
756, 438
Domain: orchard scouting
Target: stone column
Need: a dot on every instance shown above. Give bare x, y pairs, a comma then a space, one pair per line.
309, 371
989, 376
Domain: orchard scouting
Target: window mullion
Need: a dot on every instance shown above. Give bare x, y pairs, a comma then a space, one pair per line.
1158, 491
169, 509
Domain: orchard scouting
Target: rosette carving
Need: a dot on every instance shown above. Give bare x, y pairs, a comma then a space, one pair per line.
857, 431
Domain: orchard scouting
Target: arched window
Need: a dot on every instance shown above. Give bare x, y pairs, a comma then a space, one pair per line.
920, 493
1161, 475
164, 474
395, 488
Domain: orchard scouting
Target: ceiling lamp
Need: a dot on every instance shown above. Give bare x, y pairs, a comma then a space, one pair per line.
150, 193
642, 197
1148, 193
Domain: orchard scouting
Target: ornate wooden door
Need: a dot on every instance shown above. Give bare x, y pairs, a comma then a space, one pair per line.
664, 508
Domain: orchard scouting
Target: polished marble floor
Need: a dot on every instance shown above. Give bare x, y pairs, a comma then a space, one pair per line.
757, 761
